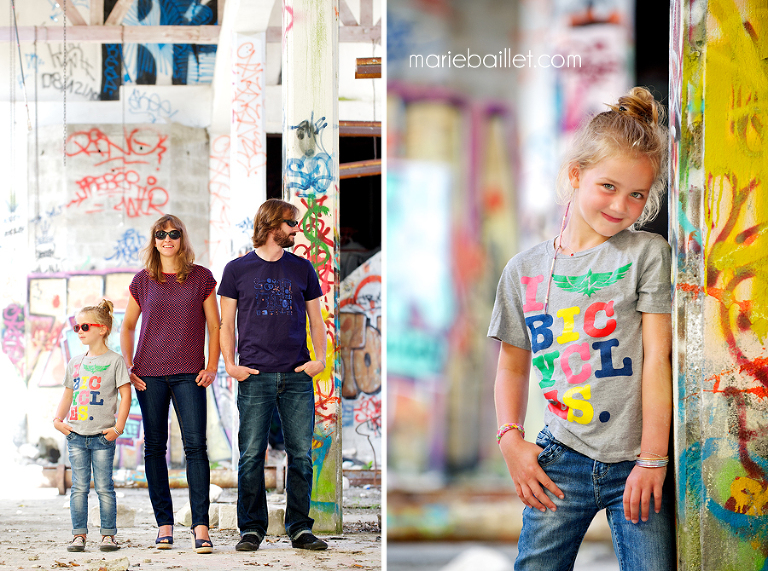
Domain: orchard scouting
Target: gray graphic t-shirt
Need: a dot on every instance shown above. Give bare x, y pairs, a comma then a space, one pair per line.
587, 349
94, 381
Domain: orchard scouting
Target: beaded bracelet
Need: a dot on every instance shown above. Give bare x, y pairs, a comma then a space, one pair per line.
504, 428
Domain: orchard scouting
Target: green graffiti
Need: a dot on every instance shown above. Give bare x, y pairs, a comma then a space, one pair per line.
313, 226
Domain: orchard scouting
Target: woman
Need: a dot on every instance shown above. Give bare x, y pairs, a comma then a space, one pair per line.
176, 299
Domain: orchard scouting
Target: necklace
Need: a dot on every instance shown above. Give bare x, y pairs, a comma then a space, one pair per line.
562, 246
554, 257
80, 366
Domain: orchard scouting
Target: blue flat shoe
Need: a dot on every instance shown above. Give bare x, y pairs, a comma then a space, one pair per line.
165, 542
202, 545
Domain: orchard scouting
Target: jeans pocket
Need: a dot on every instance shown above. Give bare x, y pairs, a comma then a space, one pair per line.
70, 436
553, 449
105, 441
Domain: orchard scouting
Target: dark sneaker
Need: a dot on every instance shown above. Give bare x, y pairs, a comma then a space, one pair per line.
308, 541
249, 542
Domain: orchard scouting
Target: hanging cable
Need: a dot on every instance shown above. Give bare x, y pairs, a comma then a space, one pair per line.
65, 91
37, 142
12, 130
21, 63
121, 90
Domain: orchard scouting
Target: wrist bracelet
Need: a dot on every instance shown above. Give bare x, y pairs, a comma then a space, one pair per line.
118, 432
55, 418
651, 454
652, 462
504, 428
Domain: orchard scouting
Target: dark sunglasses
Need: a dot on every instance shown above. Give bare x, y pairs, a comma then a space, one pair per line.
86, 326
292, 223
174, 234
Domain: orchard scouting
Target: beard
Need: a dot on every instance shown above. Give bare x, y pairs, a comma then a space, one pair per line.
283, 240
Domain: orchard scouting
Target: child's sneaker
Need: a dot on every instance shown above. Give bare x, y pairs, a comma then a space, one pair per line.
77, 544
108, 543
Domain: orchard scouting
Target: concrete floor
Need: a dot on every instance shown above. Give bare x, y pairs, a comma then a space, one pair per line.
36, 528
438, 556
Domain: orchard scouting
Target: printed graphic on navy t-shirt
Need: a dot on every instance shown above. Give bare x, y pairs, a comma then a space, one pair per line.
273, 296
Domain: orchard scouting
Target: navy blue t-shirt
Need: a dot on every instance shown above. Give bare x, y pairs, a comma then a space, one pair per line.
271, 309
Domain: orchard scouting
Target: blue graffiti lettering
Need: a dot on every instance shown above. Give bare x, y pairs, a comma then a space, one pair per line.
127, 248
310, 175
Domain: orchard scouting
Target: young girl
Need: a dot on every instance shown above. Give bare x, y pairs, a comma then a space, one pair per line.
590, 310
88, 404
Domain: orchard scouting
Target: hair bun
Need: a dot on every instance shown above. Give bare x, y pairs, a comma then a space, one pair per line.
639, 104
107, 305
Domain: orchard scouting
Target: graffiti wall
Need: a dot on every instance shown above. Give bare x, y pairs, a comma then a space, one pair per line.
166, 64
119, 179
74, 235
718, 221
92, 71
360, 347
439, 361
419, 318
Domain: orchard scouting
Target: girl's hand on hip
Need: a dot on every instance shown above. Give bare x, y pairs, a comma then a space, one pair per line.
65, 429
522, 460
641, 484
110, 434
138, 383
205, 378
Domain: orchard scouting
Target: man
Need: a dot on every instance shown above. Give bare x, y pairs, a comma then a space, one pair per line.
271, 292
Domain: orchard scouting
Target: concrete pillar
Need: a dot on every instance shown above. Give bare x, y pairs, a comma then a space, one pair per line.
248, 147
237, 162
718, 221
311, 181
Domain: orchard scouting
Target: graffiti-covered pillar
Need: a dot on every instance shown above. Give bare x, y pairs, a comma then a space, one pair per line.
311, 182
719, 230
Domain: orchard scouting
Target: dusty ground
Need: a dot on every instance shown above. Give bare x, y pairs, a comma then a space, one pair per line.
36, 527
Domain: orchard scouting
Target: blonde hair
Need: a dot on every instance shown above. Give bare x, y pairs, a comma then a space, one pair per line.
269, 217
630, 128
102, 314
186, 256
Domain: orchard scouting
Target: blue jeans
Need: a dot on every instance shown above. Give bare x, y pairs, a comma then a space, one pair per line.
189, 402
86, 452
257, 397
550, 540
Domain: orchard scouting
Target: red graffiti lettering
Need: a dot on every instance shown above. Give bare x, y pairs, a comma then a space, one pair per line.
141, 146
247, 110
121, 191
368, 414
326, 404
